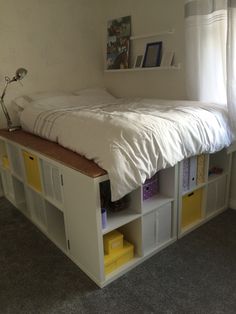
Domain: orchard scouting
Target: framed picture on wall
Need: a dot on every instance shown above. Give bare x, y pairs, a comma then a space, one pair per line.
138, 61
118, 43
152, 56
167, 58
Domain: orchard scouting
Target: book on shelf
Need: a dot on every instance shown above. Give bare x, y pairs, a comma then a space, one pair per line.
192, 172
200, 169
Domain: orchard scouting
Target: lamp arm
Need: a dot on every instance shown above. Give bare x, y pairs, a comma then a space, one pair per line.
20, 74
4, 109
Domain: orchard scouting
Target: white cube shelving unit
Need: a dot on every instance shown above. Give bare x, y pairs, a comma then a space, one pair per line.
65, 204
214, 192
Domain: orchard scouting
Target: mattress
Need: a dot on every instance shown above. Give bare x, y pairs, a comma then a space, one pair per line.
131, 139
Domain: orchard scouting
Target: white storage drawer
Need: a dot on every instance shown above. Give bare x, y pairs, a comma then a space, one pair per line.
156, 227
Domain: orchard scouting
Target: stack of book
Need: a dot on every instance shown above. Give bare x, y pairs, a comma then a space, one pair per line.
193, 172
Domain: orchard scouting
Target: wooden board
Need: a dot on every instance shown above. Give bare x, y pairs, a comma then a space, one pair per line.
54, 151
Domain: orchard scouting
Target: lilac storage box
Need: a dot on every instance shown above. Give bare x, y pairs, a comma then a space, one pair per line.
150, 187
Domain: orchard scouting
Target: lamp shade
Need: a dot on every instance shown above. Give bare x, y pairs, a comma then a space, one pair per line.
20, 74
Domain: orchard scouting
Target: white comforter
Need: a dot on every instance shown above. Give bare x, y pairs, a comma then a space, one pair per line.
130, 139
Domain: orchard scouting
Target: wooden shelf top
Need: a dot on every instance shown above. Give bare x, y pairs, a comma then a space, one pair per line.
54, 151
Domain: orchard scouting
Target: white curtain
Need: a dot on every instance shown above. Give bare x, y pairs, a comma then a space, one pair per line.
211, 52
231, 63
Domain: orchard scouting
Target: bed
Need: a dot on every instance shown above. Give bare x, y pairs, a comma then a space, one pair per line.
130, 138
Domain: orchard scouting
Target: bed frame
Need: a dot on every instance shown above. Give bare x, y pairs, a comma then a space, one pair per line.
59, 191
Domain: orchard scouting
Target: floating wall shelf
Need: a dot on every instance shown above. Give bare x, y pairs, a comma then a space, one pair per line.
173, 67
166, 32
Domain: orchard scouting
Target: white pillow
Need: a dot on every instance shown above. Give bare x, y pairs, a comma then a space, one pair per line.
99, 92
21, 102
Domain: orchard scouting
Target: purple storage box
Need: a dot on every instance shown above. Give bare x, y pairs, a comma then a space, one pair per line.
150, 187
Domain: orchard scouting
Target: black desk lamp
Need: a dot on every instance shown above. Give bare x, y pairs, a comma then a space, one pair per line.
20, 74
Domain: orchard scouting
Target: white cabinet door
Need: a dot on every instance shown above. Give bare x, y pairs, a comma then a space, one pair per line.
164, 221
216, 195
149, 231
157, 227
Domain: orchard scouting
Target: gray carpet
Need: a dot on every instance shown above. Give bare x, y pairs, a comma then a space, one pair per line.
197, 274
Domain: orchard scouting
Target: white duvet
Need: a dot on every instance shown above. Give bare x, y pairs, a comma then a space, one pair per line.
131, 139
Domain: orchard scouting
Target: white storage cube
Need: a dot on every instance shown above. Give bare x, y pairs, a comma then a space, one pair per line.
221, 192
7, 184
56, 225
156, 227
15, 159
216, 195
37, 209
51, 181
19, 190
211, 198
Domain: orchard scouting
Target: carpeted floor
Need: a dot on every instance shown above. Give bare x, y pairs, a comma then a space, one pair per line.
197, 274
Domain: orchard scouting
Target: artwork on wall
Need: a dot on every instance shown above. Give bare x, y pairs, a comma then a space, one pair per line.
118, 43
167, 58
138, 61
152, 57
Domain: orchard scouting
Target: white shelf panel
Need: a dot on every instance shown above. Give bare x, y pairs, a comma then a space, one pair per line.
199, 186
155, 202
60, 242
54, 202
215, 212
17, 177
215, 177
192, 226
164, 32
123, 269
160, 68
118, 219
11, 173
159, 247
10, 198
22, 206
29, 186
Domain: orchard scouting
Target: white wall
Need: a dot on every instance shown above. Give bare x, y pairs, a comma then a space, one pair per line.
147, 17
58, 41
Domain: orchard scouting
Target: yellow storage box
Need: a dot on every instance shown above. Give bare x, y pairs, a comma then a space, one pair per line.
5, 162
192, 208
112, 241
32, 170
118, 258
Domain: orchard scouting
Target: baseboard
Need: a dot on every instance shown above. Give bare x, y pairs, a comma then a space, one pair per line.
232, 204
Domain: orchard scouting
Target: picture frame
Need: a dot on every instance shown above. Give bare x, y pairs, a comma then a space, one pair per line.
138, 61
152, 56
167, 58
118, 43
